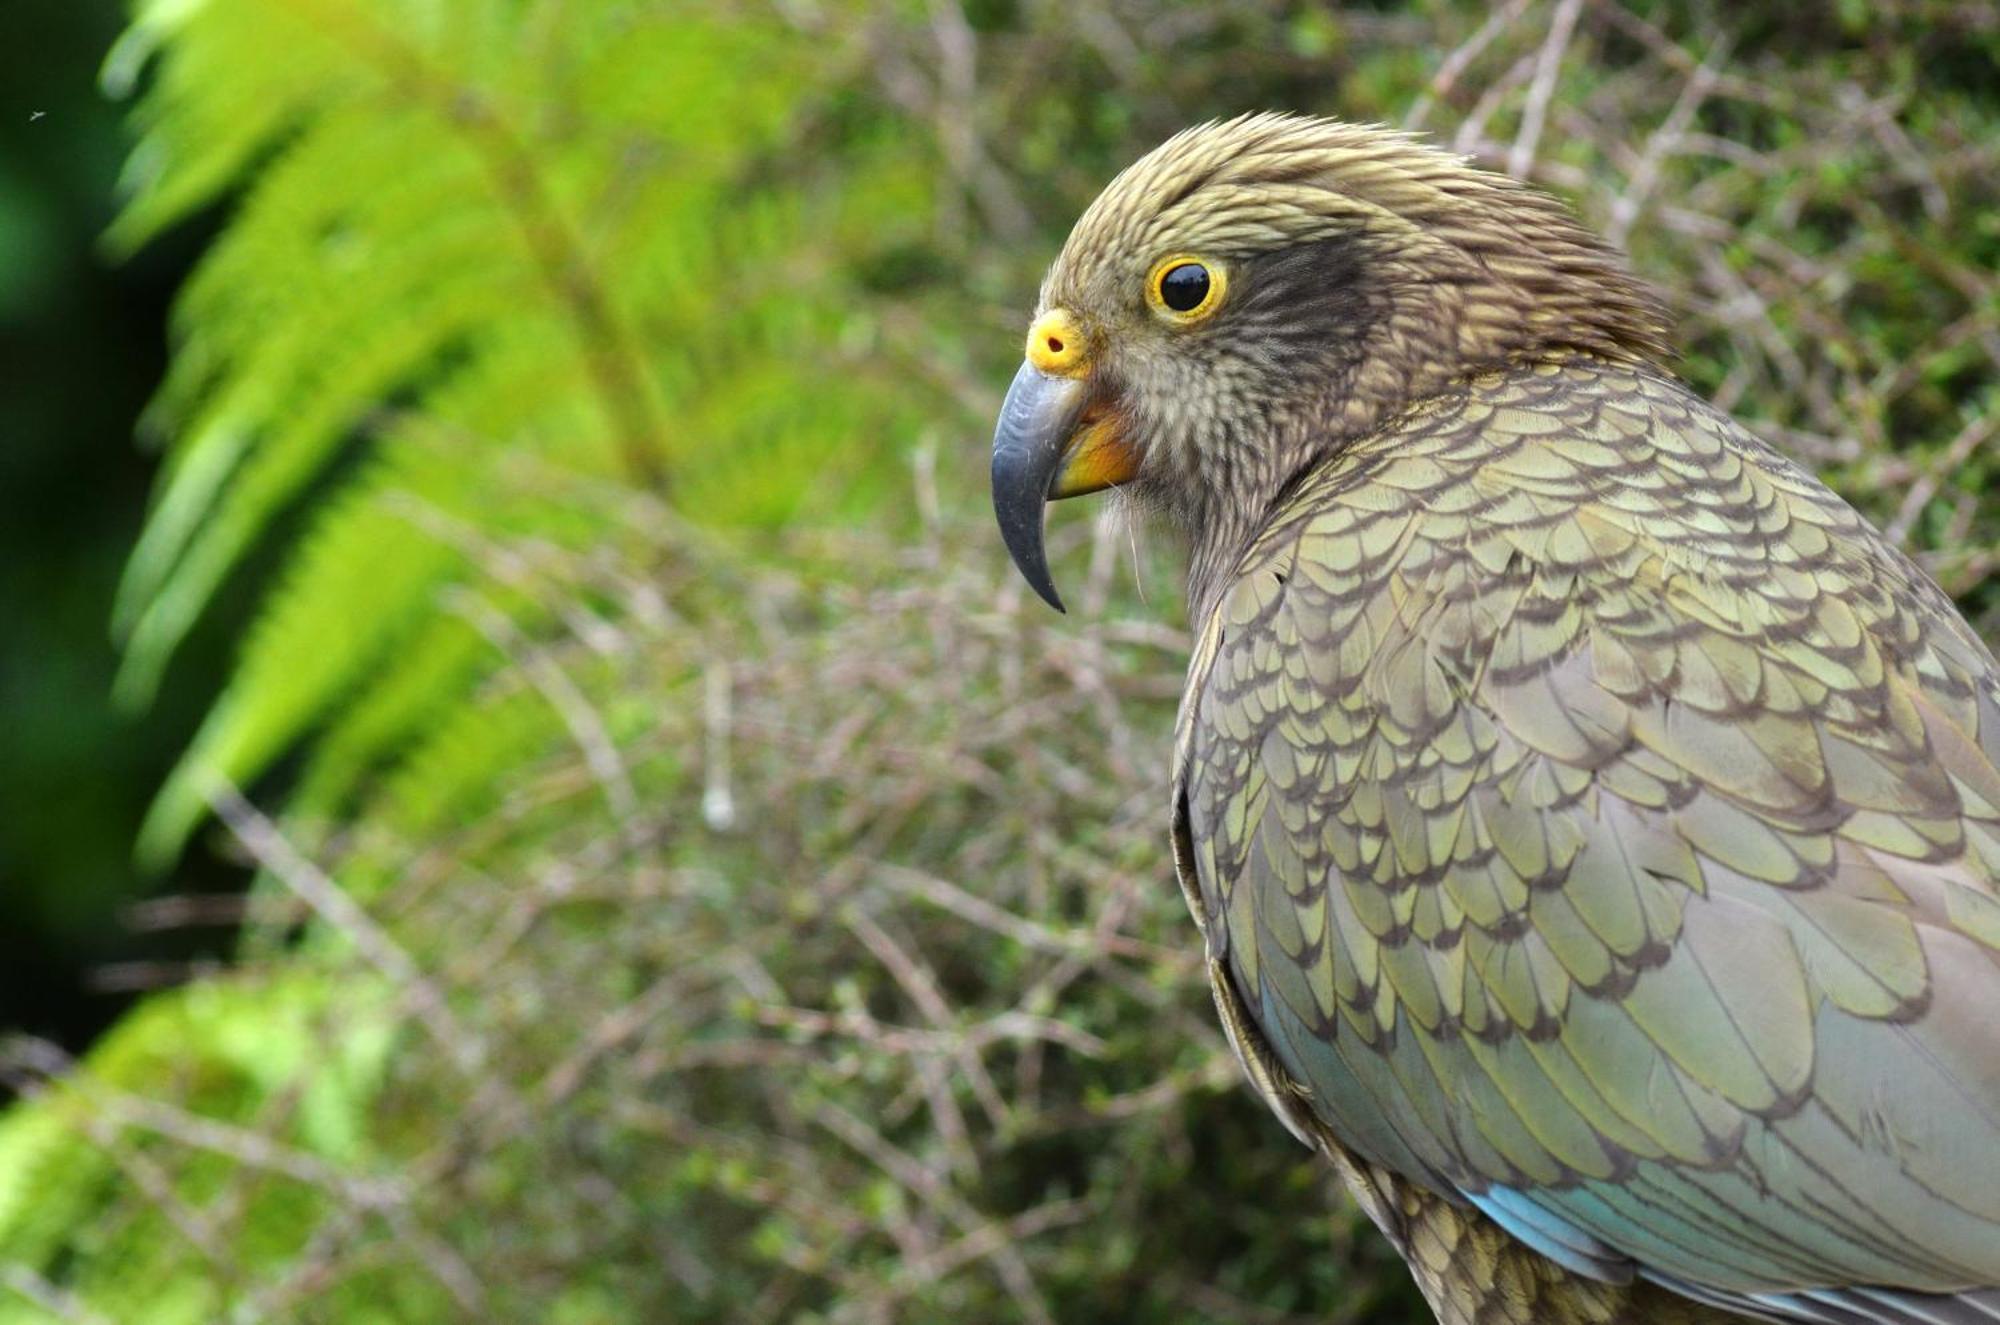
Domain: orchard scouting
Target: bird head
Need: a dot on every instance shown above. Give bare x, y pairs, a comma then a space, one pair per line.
1252, 295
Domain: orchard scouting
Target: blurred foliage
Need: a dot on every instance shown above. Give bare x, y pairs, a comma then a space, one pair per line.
81, 346
703, 889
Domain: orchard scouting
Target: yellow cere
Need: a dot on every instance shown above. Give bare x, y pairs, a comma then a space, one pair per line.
1056, 345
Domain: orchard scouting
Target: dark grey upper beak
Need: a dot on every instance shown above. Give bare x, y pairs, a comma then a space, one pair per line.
1035, 425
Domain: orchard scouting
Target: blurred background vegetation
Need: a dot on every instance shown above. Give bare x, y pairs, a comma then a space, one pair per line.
83, 343
554, 808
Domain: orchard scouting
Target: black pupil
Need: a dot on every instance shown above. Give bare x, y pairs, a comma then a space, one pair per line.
1184, 287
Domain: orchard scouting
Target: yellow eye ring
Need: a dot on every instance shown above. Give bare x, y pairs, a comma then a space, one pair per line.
1185, 288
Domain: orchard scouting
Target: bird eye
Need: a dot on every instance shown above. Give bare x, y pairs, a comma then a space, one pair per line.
1186, 287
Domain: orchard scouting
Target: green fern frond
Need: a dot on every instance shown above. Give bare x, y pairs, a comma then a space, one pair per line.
363, 580
427, 673
448, 780
513, 243
219, 100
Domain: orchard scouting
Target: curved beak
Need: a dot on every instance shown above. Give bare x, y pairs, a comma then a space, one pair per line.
1035, 424
1056, 438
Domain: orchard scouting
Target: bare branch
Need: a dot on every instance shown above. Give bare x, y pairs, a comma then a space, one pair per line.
1548, 65
269, 847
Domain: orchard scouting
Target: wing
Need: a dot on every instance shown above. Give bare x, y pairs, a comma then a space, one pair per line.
1600, 824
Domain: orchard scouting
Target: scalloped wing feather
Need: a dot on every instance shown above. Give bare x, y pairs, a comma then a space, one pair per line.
1586, 806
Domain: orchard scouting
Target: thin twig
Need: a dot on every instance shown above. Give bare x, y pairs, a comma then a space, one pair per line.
270, 848
1975, 434
1548, 64
1454, 65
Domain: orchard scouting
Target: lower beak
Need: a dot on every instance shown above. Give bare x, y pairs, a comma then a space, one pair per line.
1055, 439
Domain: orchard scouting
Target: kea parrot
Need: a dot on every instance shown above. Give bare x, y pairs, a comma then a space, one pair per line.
1592, 821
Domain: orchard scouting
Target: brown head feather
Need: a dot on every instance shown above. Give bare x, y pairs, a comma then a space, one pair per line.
1367, 271
1266, 182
